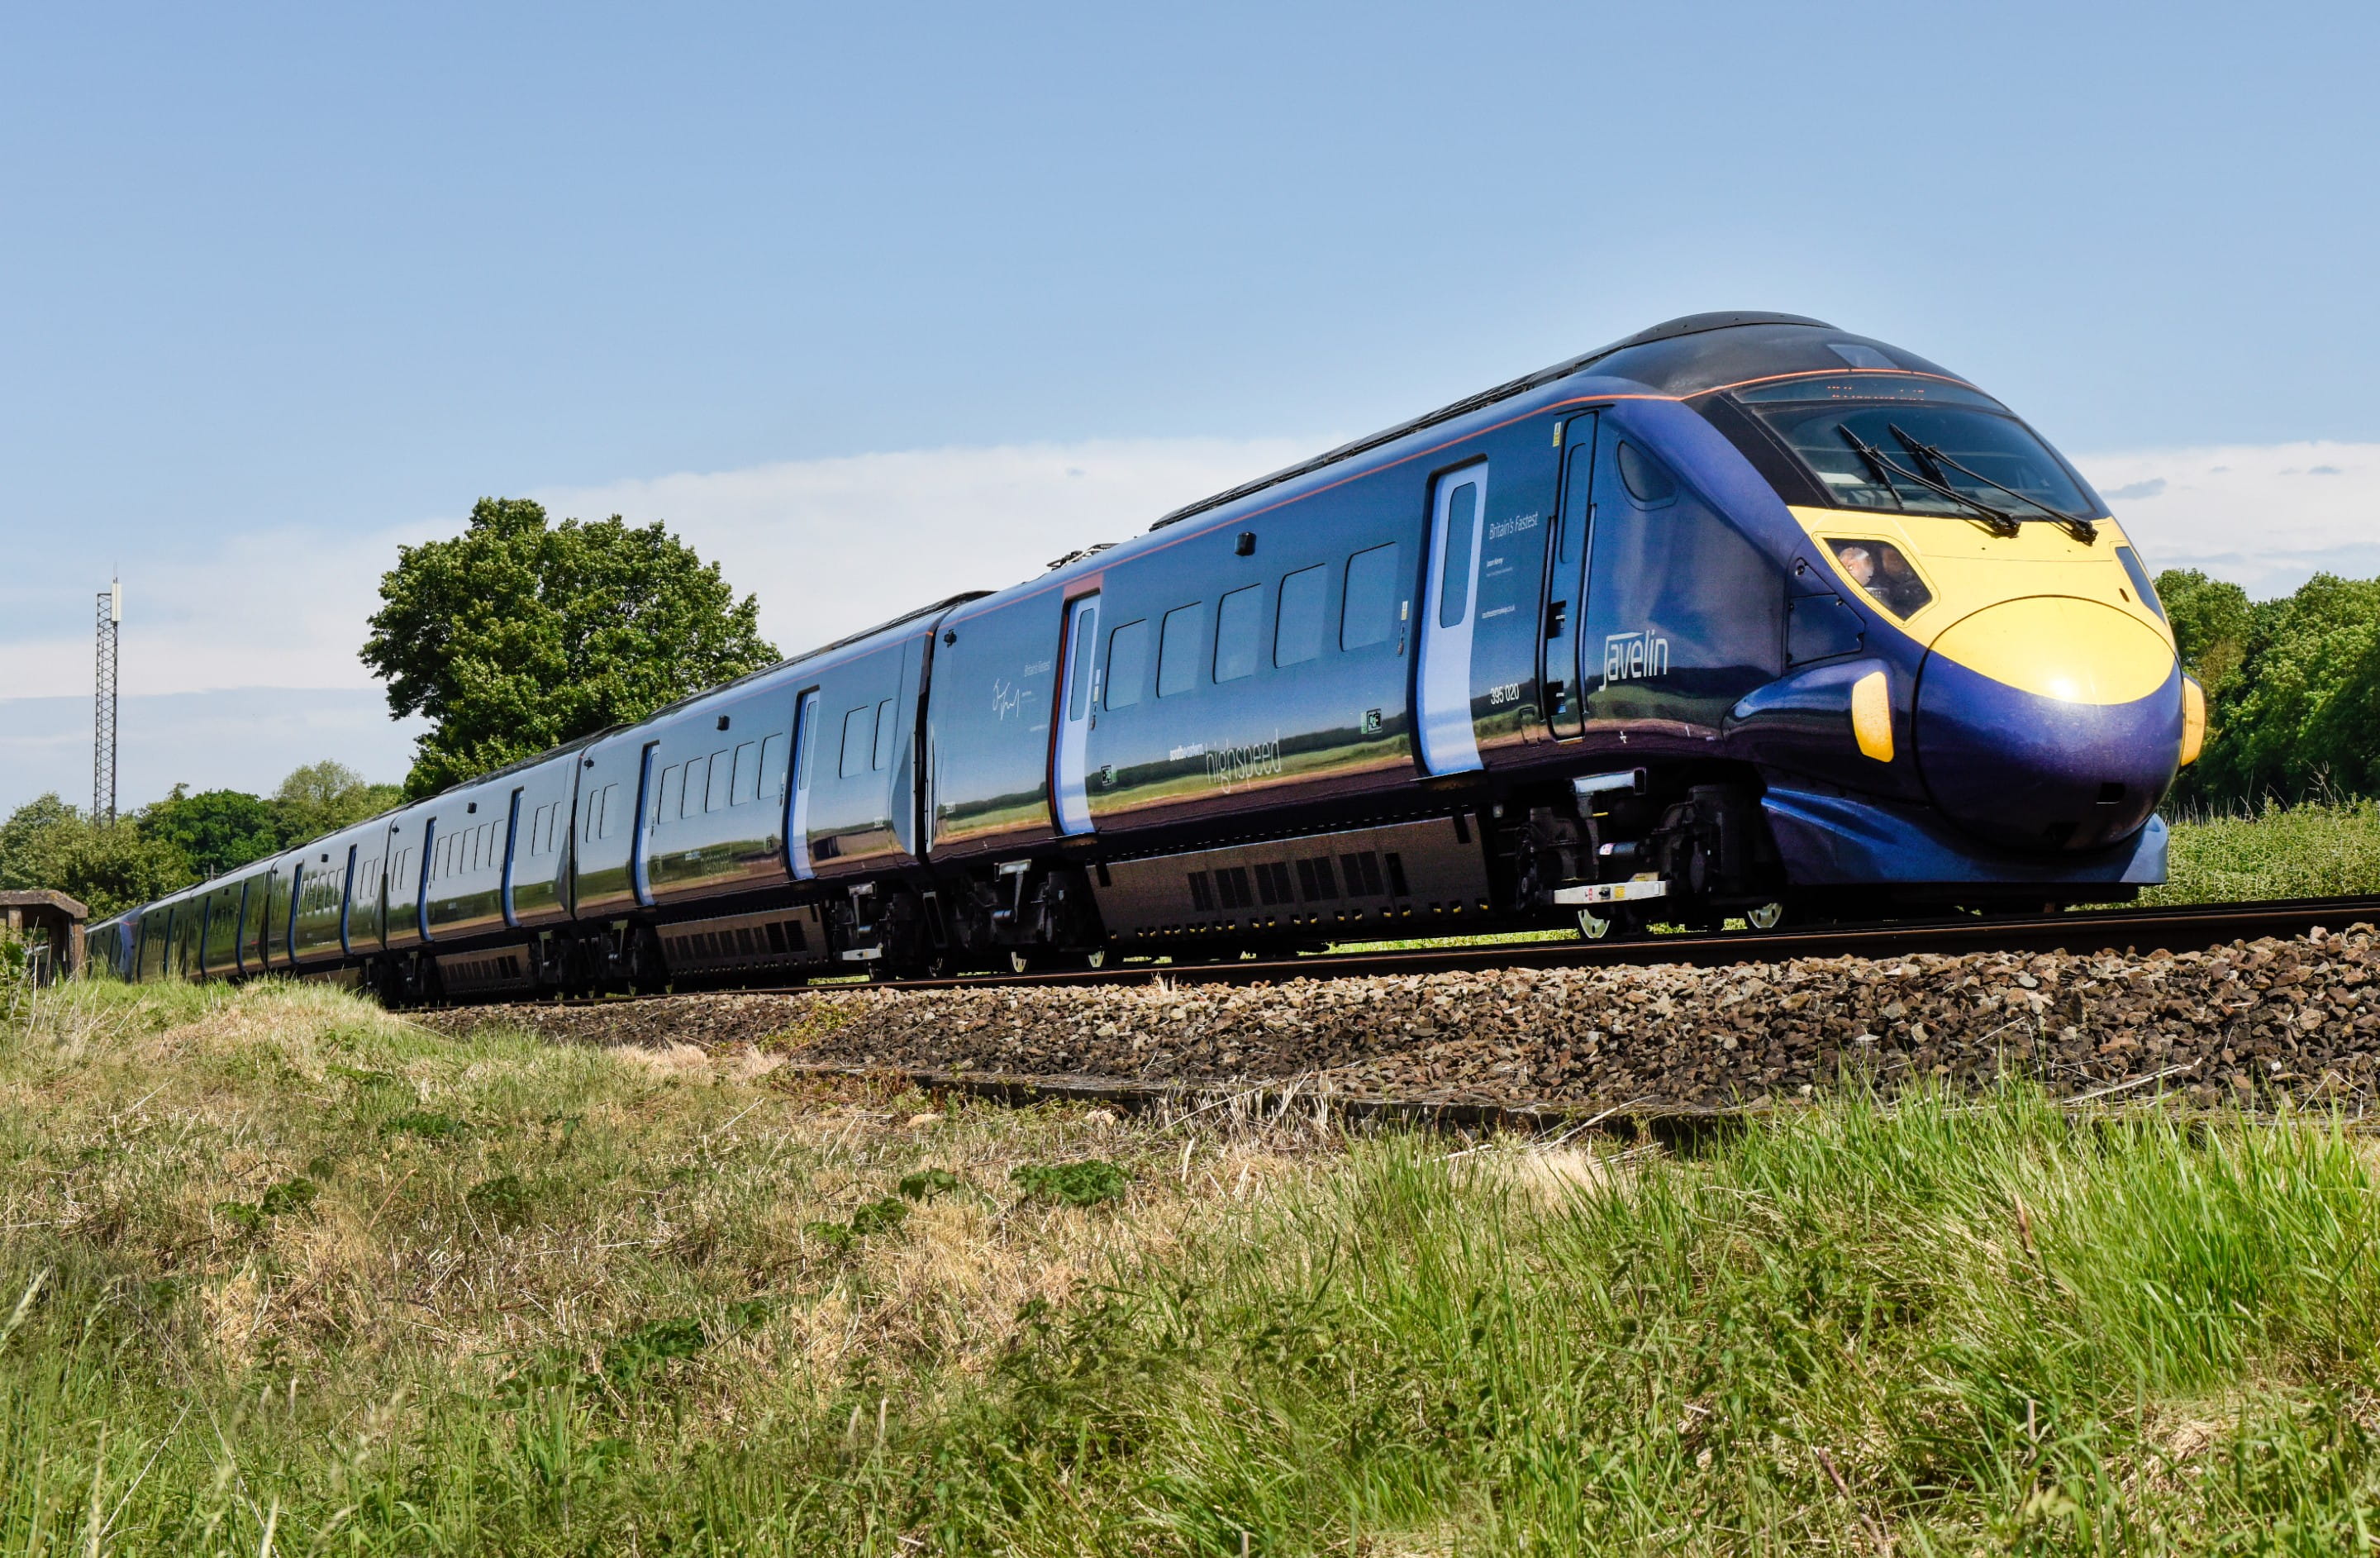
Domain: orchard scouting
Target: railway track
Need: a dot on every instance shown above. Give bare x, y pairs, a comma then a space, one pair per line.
2183, 929
1662, 1070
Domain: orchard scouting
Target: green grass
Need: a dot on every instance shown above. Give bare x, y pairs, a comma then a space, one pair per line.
600, 1317
2315, 850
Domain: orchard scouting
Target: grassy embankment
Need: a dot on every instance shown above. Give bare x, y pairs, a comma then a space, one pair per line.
296, 1276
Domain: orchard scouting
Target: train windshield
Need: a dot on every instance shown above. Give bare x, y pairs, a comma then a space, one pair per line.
1918, 445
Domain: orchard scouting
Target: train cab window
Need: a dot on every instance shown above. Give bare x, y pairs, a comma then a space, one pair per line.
747, 774
1298, 631
1368, 614
2140, 577
604, 810
884, 732
722, 771
1239, 633
1177, 649
1916, 444
859, 739
1647, 479
773, 766
1879, 569
1127, 665
673, 793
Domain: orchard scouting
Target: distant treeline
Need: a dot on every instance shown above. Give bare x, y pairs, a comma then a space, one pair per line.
2292, 689
181, 839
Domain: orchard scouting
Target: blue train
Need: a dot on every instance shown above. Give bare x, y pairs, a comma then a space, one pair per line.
1740, 616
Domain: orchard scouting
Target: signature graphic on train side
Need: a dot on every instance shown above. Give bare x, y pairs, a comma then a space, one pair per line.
1008, 698
1231, 767
1632, 657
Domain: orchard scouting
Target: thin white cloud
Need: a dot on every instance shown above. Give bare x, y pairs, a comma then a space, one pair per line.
831, 546
2264, 515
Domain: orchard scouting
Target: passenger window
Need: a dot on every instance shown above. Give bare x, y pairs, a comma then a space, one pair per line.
883, 735
1368, 614
672, 789
1177, 649
697, 774
773, 766
722, 771
1127, 664
859, 739
1239, 633
746, 773
1454, 566
603, 812
1297, 632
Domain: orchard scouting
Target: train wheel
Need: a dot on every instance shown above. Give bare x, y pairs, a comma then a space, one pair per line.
1767, 917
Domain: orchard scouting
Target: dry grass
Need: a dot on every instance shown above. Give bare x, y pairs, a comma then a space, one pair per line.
657, 1183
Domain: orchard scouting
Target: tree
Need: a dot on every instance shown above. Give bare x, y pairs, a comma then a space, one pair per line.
214, 830
110, 867
2302, 715
518, 635
322, 797
2211, 621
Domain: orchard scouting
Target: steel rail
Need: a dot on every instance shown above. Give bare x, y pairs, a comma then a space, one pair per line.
2180, 929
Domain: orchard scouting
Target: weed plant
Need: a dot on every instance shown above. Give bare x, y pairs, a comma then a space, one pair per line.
1949, 1326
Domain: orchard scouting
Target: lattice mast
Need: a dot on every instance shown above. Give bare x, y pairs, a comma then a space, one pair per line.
103, 745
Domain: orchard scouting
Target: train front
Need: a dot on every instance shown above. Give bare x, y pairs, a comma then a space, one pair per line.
2017, 707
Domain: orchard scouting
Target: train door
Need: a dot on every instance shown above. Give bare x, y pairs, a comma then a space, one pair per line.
640, 841
512, 856
797, 794
421, 883
1450, 609
346, 902
1566, 582
1078, 699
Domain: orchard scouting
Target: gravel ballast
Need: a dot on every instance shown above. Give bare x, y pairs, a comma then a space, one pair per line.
2253, 1022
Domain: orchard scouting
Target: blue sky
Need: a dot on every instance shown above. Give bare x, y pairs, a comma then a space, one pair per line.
280, 287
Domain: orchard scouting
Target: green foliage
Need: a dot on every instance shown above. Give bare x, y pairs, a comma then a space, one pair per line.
2211, 622
107, 867
214, 830
427, 1124
883, 1216
1087, 1183
929, 1182
517, 634
2293, 685
322, 797
287, 1199
502, 1201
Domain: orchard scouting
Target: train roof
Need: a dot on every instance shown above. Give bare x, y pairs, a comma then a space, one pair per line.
1680, 357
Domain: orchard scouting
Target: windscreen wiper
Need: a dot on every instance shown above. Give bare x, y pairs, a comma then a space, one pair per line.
1882, 467
2078, 526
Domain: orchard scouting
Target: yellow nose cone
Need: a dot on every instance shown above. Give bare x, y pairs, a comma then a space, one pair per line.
2061, 647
